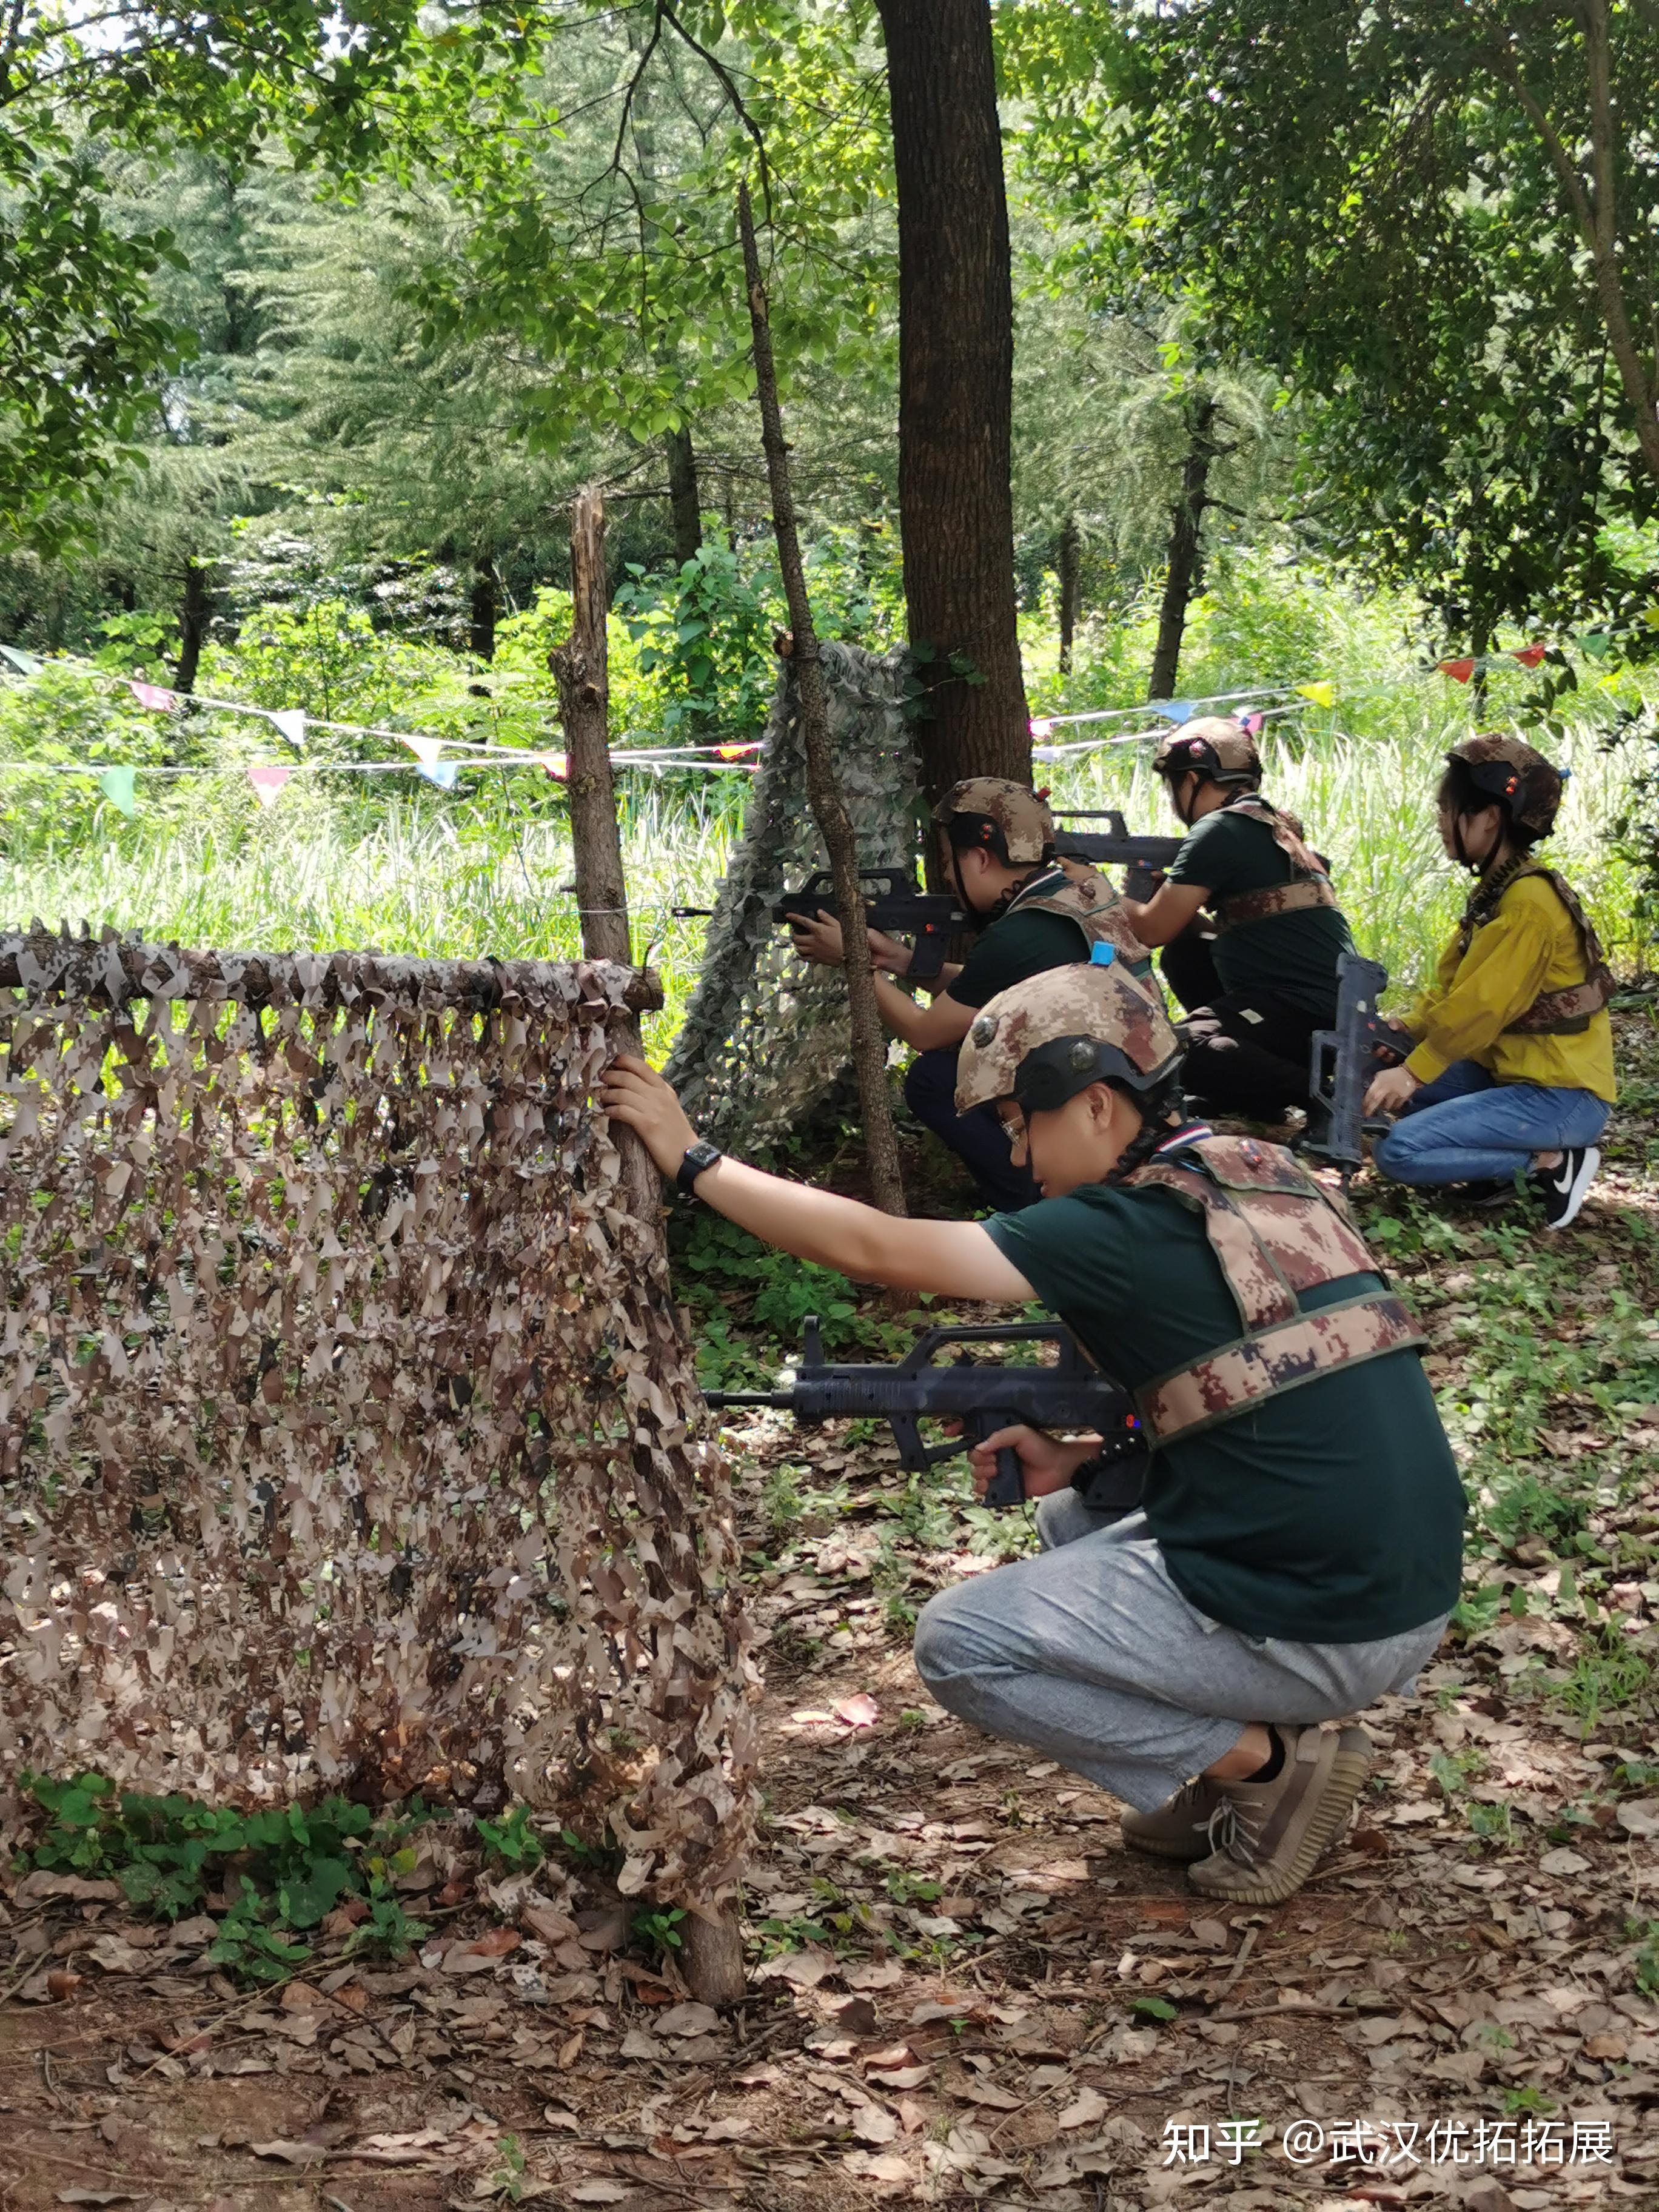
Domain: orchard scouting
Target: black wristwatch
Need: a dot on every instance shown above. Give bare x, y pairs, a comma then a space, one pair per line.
699, 1158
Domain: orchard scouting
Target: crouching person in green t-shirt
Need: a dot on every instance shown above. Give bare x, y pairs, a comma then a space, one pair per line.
1296, 1551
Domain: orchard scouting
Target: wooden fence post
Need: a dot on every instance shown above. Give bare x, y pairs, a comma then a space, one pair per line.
711, 1954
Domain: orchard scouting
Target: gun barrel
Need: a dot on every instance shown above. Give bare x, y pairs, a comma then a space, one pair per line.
781, 1401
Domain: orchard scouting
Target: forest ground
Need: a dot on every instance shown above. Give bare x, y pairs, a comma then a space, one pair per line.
961, 1986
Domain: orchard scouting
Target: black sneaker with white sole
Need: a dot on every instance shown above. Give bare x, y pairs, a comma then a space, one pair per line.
1561, 1189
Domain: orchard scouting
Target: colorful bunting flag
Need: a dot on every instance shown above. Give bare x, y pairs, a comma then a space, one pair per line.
1252, 725
155, 697
556, 764
290, 720
1529, 655
117, 785
1041, 727
1173, 710
426, 751
267, 782
1322, 694
1459, 670
24, 663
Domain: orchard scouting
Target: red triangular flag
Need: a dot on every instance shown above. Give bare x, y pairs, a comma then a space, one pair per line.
1530, 655
1459, 670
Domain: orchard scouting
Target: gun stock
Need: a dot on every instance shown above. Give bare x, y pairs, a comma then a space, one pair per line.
983, 1395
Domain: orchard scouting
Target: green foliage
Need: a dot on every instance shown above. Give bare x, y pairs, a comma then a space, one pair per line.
706, 631
658, 1931
285, 1868
510, 1841
1414, 262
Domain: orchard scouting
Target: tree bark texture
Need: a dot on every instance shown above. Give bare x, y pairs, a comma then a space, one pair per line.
1070, 589
956, 387
869, 1039
484, 606
581, 670
684, 502
713, 1944
1186, 546
194, 616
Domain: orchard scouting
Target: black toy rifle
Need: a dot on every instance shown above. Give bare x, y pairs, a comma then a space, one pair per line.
897, 906
983, 1395
900, 908
1144, 858
1343, 1060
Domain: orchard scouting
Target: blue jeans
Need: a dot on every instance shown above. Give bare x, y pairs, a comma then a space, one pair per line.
978, 1140
1466, 1127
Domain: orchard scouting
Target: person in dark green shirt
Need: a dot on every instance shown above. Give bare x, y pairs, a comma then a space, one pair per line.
1297, 1553
1262, 977
997, 856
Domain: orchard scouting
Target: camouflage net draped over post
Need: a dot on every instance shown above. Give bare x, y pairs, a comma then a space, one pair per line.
343, 1408
766, 1036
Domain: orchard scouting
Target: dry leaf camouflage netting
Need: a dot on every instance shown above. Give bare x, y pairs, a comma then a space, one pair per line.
344, 1414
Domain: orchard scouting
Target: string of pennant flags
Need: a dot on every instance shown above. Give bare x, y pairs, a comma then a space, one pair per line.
436, 758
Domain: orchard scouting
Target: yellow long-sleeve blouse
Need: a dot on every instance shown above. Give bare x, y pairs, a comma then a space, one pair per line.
1528, 946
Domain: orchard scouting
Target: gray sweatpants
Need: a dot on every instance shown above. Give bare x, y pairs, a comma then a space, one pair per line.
1091, 1655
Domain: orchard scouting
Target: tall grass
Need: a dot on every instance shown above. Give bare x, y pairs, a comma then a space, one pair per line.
384, 861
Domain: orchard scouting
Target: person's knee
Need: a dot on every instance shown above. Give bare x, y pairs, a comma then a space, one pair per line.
1394, 1154
961, 1636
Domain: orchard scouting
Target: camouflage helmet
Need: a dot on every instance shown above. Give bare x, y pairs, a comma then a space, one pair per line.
1041, 1041
1027, 826
1522, 781
1213, 745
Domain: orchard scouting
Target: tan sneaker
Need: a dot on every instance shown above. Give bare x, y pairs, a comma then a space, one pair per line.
1269, 1835
1180, 1829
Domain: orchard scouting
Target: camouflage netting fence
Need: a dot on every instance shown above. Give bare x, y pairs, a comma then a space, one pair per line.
766, 1041
346, 1423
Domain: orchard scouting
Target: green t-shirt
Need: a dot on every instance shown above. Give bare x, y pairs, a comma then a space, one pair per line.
1332, 1514
1294, 956
1018, 946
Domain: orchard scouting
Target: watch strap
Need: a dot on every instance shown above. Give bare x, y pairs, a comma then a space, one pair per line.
699, 1158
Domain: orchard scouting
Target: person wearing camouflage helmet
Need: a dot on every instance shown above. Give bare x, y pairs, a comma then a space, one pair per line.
1034, 912
1260, 975
1297, 1550
1511, 1074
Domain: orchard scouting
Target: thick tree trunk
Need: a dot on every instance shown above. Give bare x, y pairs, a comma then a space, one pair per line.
684, 502
194, 616
956, 396
1070, 554
869, 1039
484, 608
1186, 542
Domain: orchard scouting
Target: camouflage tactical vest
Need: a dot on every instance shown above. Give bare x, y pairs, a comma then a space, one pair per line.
1310, 885
1275, 1233
1073, 889
1566, 1012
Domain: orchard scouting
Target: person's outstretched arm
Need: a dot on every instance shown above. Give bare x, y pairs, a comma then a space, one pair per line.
1163, 916
955, 1259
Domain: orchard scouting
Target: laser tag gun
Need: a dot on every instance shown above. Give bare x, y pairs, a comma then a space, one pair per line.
984, 1395
896, 904
1342, 1061
1146, 858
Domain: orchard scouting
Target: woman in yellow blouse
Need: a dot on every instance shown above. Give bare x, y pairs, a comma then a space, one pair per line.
1512, 1068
